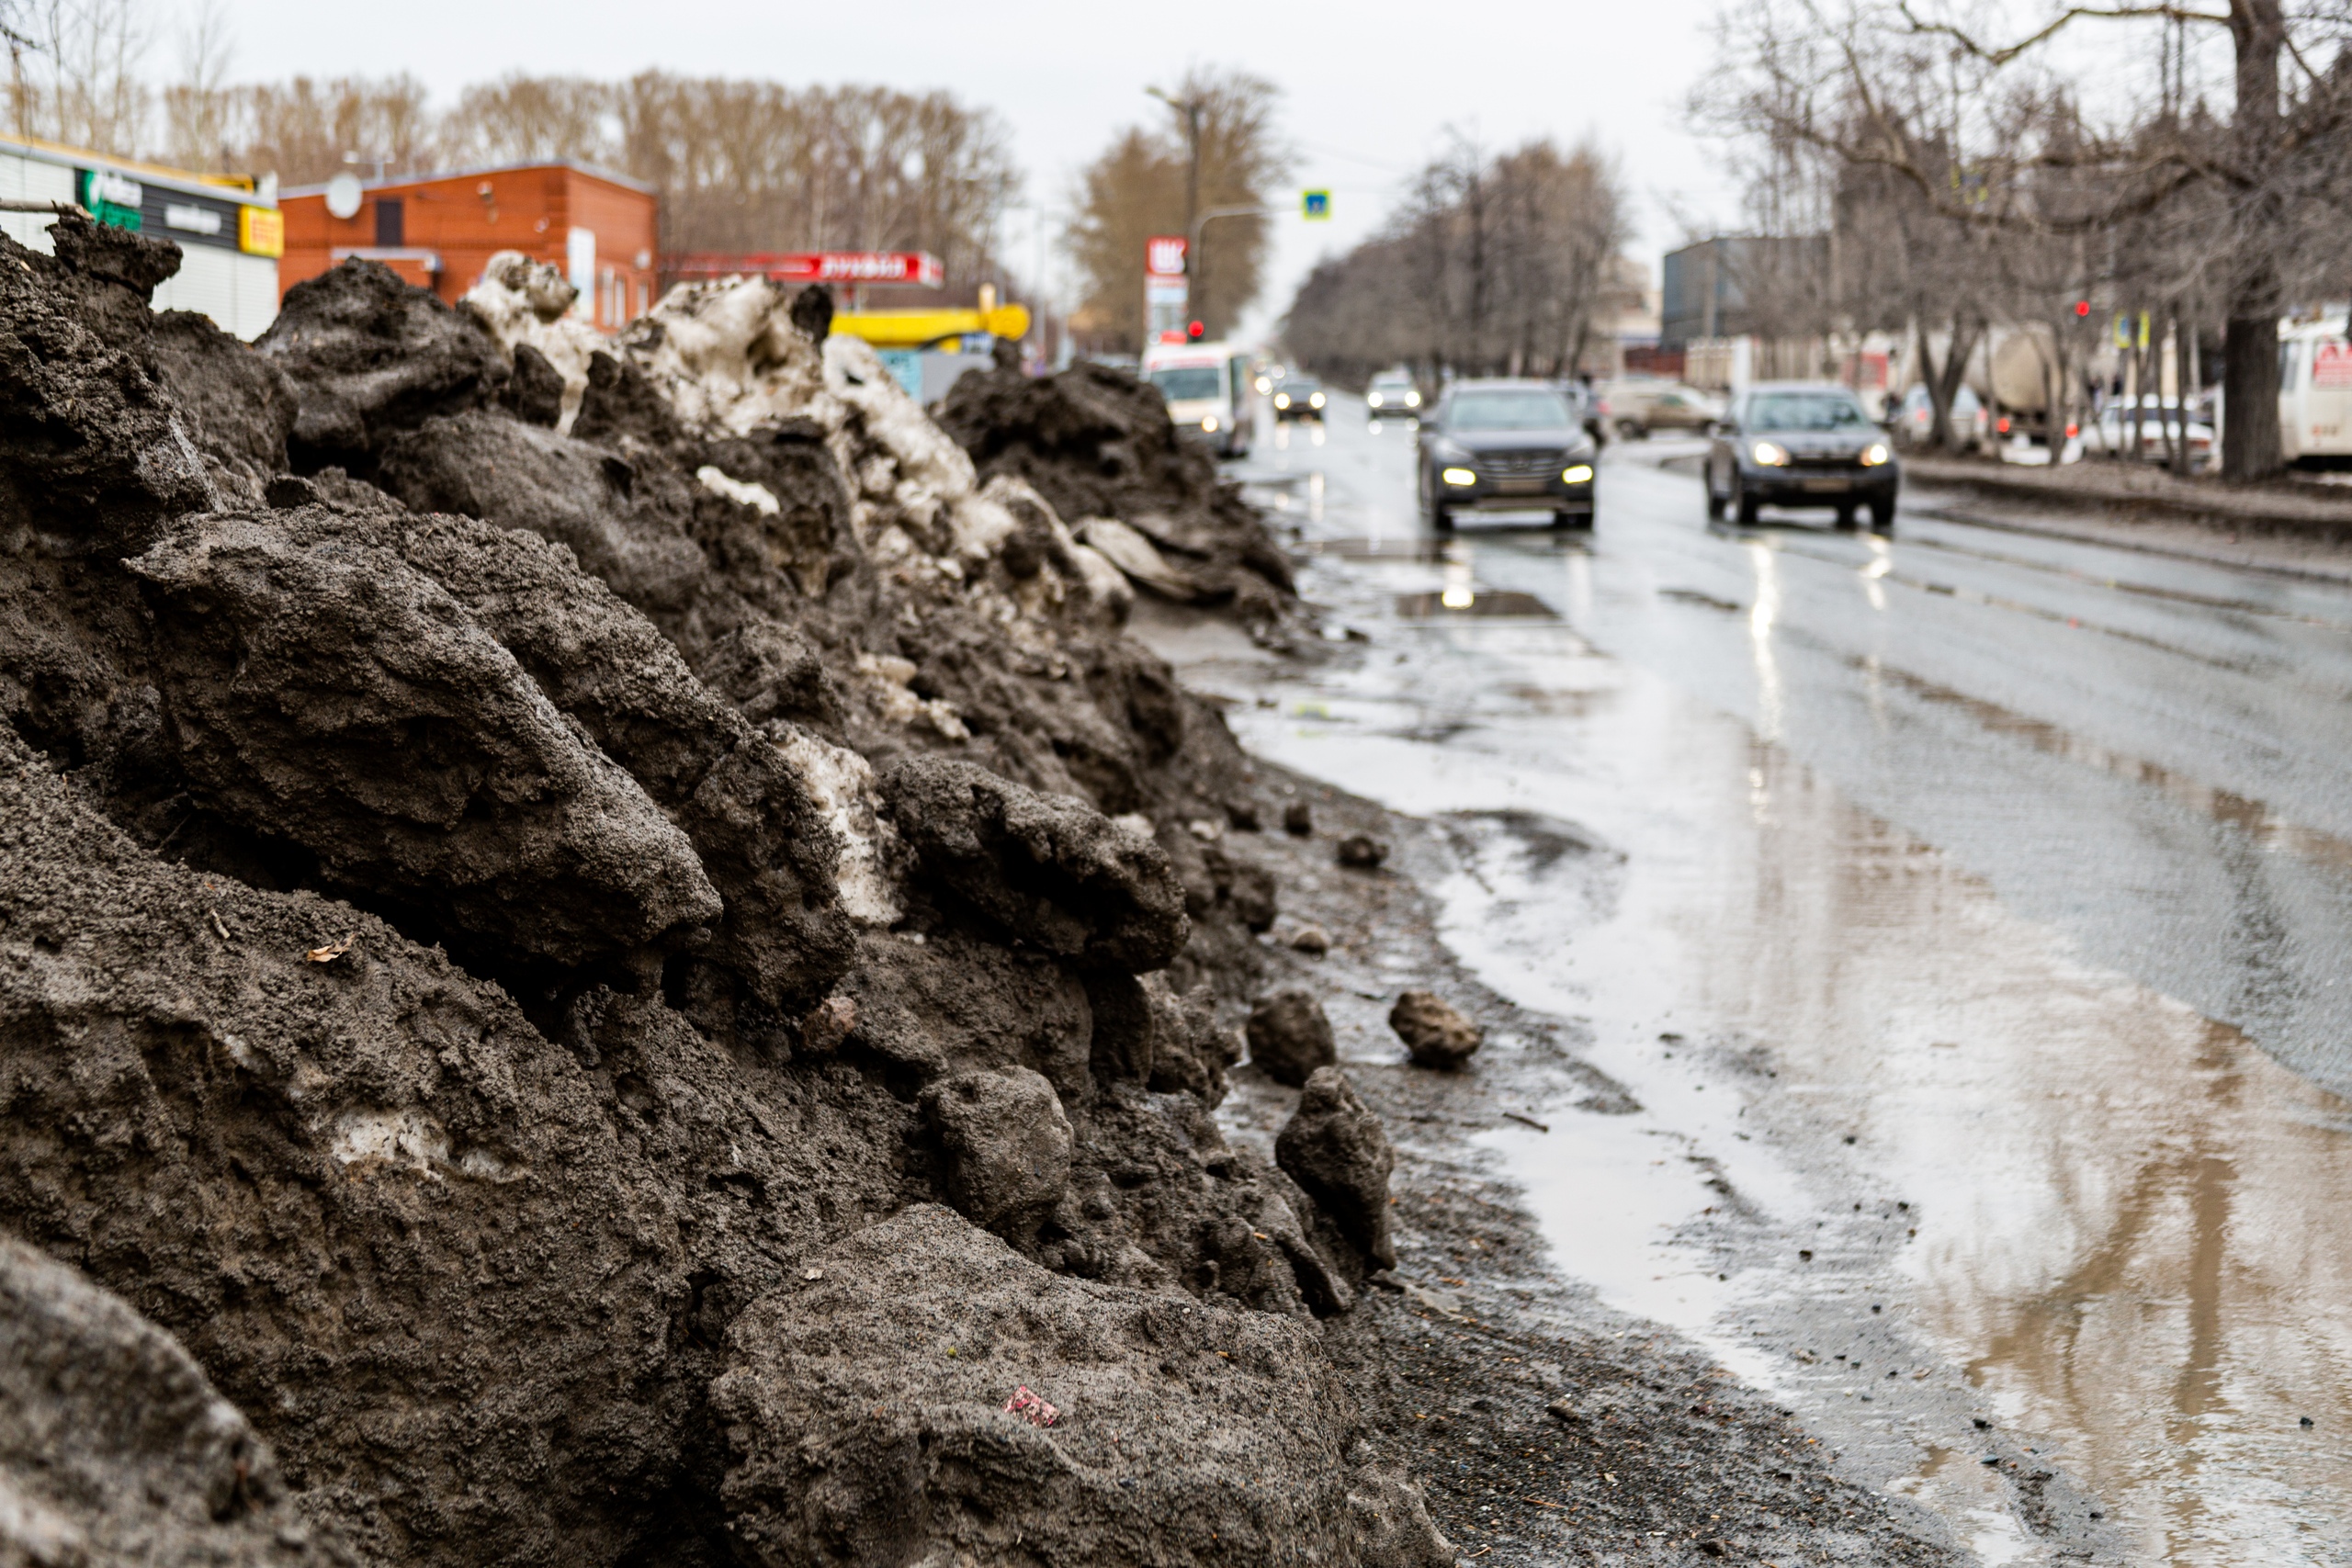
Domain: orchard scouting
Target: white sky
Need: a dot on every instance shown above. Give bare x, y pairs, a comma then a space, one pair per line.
1371, 88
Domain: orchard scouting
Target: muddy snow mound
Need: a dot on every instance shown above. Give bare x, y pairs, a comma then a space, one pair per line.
486, 910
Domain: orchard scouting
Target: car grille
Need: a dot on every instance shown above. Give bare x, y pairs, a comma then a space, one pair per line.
1826, 462
1518, 465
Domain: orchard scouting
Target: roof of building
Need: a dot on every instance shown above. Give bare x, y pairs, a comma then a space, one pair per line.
245, 186
389, 183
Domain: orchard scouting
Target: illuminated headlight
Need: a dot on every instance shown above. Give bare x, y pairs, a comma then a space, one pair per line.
1209, 425
1316, 401
1264, 386
1577, 473
1412, 400
1373, 398
1875, 454
1459, 477
1771, 454
1281, 399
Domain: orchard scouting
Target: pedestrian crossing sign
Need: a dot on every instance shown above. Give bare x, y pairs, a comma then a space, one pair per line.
1317, 203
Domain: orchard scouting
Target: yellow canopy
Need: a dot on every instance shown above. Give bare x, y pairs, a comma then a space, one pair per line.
927, 328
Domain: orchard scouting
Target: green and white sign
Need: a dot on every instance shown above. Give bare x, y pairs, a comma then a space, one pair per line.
109, 198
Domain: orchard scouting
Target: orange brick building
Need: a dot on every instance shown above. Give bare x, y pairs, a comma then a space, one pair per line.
439, 231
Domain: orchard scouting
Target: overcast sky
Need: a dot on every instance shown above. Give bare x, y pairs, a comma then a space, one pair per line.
1371, 89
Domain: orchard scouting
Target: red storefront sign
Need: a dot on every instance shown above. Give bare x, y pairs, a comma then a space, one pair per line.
1163, 257
814, 266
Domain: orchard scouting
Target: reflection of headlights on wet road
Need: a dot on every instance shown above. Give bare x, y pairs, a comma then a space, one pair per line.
1459, 477
1209, 425
1577, 473
1875, 454
1770, 454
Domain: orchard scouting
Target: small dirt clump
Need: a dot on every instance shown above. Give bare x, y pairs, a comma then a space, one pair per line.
1361, 852
1434, 1031
1290, 1037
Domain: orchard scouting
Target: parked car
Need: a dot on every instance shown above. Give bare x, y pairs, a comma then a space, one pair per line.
1298, 396
2160, 423
1801, 444
1497, 445
1634, 409
1969, 425
1392, 392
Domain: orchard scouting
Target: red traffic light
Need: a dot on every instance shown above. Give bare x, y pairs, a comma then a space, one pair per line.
2082, 307
1195, 331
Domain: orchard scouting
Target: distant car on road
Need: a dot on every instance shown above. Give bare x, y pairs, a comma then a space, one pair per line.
1299, 397
1634, 409
1206, 386
1970, 426
2159, 427
1801, 444
1393, 392
1505, 446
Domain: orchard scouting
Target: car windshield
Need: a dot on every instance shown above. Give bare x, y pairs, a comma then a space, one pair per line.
1391, 383
1528, 410
1300, 385
1806, 411
1188, 383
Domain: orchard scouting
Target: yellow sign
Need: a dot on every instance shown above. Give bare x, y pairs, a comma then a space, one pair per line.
261, 231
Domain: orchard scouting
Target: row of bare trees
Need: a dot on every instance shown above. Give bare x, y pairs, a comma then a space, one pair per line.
1498, 263
2189, 164
740, 165
1216, 149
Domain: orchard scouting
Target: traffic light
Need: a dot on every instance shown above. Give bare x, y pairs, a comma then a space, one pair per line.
1196, 332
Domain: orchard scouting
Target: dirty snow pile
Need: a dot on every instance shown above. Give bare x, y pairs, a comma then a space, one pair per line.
607, 955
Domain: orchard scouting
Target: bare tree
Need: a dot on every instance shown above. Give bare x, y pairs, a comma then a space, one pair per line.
200, 107
1497, 265
74, 76
1914, 90
1218, 150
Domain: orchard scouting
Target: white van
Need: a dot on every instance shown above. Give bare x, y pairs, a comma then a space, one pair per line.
2315, 386
1207, 388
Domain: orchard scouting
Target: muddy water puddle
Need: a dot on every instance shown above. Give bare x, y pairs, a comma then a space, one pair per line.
1899, 1155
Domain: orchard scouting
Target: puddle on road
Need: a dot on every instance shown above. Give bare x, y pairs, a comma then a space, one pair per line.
1491, 601
2132, 1224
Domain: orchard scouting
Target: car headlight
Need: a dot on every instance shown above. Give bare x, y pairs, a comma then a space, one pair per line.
1459, 477
1264, 386
1577, 473
1281, 399
1209, 425
1372, 398
1316, 401
1412, 400
1874, 453
1771, 454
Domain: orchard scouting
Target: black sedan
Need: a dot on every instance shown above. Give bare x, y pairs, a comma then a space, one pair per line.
1801, 444
1506, 446
1299, 397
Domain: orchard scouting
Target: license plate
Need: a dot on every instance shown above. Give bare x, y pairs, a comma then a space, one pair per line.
1521, 487
1827, 487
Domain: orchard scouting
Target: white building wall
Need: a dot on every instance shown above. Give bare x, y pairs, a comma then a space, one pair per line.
238, 291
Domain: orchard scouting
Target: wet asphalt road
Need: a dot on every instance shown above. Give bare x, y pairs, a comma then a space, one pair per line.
1966, 913
2153, 756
